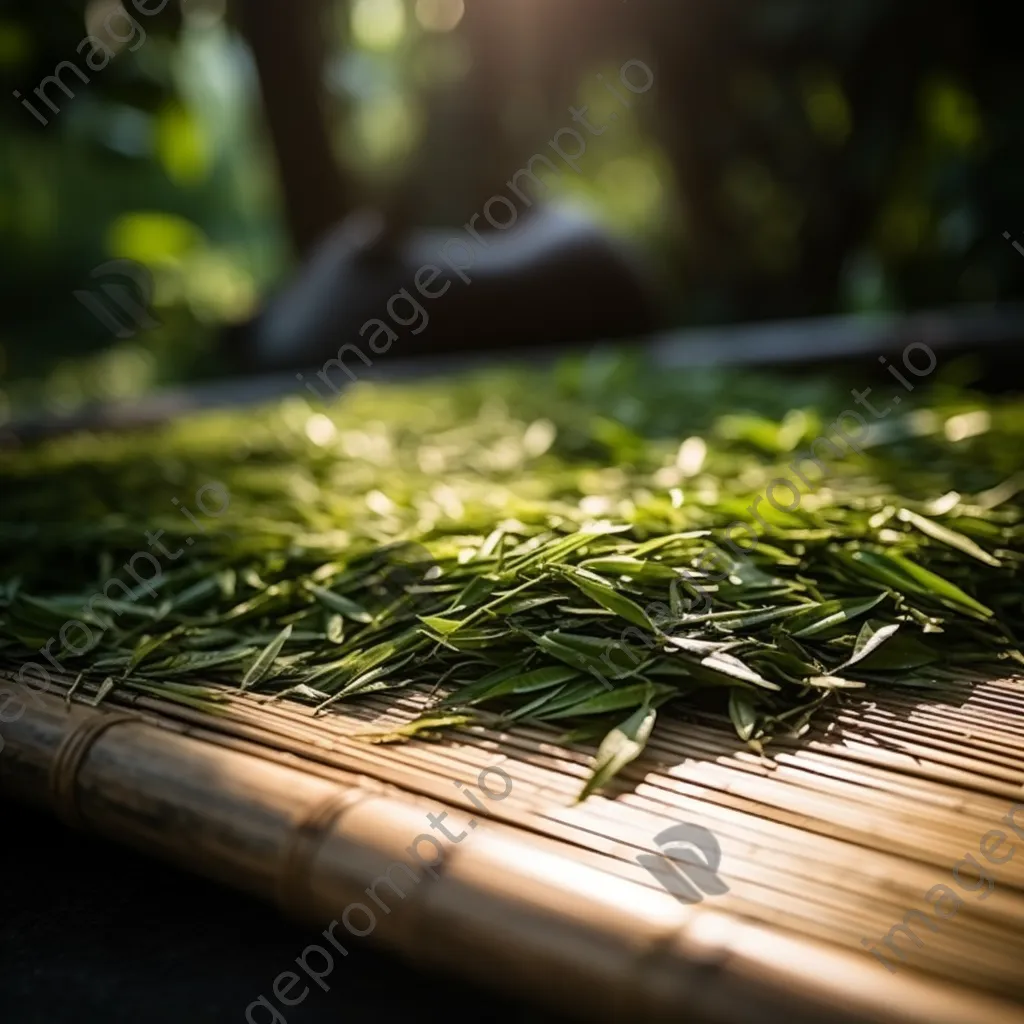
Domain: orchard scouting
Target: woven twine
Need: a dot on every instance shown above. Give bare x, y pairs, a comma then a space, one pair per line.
67, 764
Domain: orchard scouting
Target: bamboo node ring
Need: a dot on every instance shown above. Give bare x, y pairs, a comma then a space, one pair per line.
293, 885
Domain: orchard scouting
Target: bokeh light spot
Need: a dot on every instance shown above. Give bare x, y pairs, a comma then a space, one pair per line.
378, 24
439, 15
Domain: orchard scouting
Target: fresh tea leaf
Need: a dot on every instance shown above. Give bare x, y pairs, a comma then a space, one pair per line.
624, 744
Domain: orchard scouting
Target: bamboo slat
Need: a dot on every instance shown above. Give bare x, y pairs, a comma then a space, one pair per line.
828, 842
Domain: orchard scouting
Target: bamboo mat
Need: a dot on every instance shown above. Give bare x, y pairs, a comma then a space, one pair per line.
827, 843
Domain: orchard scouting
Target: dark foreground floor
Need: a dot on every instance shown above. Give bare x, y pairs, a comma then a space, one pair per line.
94, 934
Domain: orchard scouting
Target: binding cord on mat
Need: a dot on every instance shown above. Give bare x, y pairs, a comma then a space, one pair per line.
293, 886
67, 763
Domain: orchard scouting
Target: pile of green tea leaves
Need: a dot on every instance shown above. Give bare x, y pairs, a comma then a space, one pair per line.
550, 546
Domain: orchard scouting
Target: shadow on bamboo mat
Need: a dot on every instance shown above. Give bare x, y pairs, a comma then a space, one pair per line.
93, 934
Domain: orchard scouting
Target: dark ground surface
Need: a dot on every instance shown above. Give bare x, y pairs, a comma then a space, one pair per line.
91, 933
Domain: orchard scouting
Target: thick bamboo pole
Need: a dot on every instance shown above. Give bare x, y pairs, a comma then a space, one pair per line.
506, 907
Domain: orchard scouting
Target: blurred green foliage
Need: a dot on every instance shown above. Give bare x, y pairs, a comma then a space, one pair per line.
155, 160
796, 157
